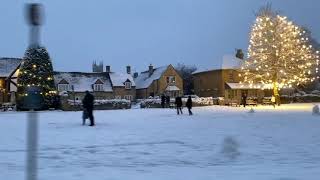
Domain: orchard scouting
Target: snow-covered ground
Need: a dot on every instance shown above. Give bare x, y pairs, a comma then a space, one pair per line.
155, 144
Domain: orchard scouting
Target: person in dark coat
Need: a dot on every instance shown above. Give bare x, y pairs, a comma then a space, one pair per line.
87, 102
168, 101
189, 105
163, 101
244, 99
179, 105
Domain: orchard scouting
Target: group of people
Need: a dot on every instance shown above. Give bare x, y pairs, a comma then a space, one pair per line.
165, 102
88, 103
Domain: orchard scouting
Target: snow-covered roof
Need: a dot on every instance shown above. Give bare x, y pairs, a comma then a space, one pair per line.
144, 81
118, 79
228, 62
83, 81
240, 86
8, 65
172, 88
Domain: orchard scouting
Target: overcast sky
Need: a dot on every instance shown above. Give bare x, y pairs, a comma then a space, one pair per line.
140, 32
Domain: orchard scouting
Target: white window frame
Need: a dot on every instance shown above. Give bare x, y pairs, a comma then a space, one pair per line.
117, 97
64, 87
171, 79
98, 87
128, 97
128, 85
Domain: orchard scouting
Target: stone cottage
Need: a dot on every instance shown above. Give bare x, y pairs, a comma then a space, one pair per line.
158, 81
8, 79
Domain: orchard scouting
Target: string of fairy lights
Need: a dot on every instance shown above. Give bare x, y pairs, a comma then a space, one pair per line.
279, 54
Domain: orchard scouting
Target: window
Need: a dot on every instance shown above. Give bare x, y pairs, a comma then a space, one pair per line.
64, 87
128, 97
127, 85
117, 97
171, 80
232, 94
230, 76
98, 87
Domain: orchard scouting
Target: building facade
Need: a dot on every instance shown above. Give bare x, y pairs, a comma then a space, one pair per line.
224, 82
103, 85
8, 79
158, 81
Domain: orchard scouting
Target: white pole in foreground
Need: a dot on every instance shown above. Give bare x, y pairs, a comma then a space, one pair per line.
33, 102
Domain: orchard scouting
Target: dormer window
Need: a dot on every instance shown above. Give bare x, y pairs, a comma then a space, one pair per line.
98, 85
127, 85
63, 85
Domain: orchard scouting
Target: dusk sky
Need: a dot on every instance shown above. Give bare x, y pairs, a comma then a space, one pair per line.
140, 32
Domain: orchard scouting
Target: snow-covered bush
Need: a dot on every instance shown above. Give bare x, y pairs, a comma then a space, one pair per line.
230, 148
156, 102
100, 102
315, 110
70, 104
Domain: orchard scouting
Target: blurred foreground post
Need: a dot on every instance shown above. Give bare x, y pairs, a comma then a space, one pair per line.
33, 97
32, 146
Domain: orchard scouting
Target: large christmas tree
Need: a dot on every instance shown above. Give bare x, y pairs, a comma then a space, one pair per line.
36, 71
279, 54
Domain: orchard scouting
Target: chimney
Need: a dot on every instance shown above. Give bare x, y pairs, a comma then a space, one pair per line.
150, 70
108, 69
128, 69
135, 75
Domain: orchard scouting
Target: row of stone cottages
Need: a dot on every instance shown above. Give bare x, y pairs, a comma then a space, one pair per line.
222, 81
102, 82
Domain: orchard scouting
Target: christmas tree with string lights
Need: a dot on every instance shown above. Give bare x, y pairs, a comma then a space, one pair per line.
36, 71
279, 54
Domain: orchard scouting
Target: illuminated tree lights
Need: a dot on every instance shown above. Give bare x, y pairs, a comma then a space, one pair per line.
279, 54
36, 70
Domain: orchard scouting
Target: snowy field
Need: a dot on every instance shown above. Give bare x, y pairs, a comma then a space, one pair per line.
222, 143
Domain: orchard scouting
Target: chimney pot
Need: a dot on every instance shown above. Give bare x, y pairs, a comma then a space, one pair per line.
128, 69
150, 70
135, 75
108, 69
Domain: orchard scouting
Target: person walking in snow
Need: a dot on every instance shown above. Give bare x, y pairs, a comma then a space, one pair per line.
189, 105
168, 101
244, 99
179, 105
163, 101
88, 102
273, 101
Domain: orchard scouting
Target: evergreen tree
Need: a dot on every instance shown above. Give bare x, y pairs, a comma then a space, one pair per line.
36, 71
279, 54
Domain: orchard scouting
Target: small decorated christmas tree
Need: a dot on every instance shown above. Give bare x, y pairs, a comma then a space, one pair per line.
36, 71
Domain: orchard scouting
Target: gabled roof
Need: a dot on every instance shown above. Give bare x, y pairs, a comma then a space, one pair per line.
83, 81
228, 62
98, 81
63, 81
118, 79
144, 81
8, 65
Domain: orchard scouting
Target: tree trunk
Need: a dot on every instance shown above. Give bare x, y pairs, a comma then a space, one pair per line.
276, 93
